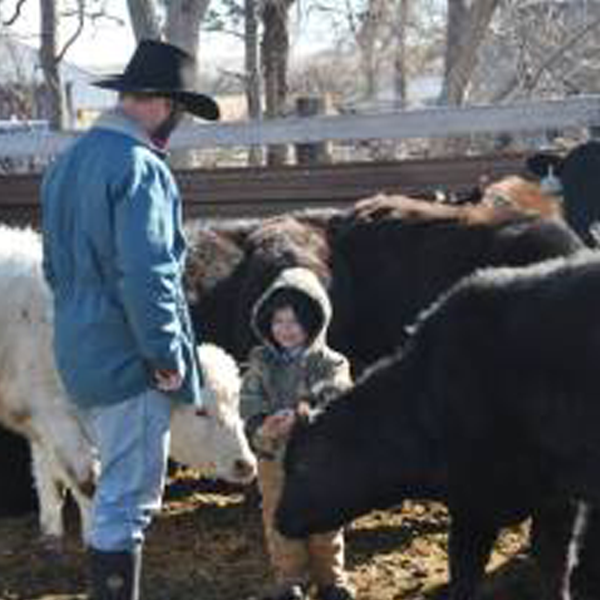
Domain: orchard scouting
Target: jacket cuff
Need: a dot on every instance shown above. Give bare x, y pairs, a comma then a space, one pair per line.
170, 362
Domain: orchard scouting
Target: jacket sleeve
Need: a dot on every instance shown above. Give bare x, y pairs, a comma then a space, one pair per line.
253, 398
335, 378
254, 405
150, 273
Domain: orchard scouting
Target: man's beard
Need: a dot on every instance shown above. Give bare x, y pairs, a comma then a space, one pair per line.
160, 136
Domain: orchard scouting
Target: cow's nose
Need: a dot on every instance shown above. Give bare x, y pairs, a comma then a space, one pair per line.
244, 470
88, 487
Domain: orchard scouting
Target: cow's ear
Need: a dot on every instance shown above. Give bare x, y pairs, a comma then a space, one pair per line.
539, 164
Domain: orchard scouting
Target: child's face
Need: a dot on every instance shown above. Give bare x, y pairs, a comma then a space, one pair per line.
286, 329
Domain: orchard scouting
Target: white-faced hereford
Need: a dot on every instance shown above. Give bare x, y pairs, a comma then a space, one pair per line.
34, 404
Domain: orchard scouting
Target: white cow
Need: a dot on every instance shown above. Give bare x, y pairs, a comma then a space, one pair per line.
33, 402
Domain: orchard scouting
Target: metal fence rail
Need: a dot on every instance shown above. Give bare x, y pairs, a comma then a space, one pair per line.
243, 192
577, 111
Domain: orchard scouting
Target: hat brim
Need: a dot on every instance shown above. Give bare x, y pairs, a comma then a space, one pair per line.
195, 103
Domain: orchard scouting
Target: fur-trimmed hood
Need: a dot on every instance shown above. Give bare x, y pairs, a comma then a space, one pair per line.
307, 285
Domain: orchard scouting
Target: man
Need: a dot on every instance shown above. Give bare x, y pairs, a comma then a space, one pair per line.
113, 257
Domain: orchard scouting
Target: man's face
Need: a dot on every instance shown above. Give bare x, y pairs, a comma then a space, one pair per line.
156, 114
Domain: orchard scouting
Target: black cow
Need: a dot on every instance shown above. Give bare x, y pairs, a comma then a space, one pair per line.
18, 492
579, 174
382, 261
492, 407
400, 254
231, 264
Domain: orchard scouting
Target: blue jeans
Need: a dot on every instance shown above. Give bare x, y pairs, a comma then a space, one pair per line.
132, 441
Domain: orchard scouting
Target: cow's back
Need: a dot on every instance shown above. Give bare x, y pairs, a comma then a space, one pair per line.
514, 356
402, 255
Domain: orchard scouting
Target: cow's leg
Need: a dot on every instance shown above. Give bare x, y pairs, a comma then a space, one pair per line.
551, 533
583, 553
469, 547
585, 579
84, 503
51, 495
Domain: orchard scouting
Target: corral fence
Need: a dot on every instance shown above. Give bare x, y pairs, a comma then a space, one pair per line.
256, 191
243, 192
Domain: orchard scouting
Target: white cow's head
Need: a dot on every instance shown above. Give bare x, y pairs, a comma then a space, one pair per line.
212, 438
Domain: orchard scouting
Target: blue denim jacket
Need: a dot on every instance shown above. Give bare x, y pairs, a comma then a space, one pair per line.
113, 256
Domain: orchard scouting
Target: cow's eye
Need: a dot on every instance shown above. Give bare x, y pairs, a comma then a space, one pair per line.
203, 413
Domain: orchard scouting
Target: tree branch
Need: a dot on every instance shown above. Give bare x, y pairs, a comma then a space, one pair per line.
16, 14
513, 83
80, 24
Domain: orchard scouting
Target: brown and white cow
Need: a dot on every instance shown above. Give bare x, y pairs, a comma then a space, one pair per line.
34, 404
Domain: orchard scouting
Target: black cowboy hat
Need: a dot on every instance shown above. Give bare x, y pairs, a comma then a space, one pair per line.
165, 70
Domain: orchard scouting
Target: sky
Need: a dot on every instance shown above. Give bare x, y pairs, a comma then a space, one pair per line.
107, 46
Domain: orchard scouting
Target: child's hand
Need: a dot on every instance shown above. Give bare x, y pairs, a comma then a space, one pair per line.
279, 424
303, 409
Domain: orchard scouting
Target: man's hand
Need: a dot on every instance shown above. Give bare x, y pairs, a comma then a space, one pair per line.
167, 380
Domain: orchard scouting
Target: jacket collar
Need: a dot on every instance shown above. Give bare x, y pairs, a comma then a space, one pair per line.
116, 120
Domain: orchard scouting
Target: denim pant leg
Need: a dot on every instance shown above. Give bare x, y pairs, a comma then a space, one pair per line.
132, 440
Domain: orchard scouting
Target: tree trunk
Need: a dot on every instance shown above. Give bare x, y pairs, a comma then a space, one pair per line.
400, 80
366, 39
274, 57
252, 75
183, 29
465, 31
50, 64
144, 19
183, 23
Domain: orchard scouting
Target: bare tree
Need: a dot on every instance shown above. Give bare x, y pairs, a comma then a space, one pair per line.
183, 23
367, 37
390, 41
467, 24
49, 61
144, 19
543, 48
252, 80
275, 48
51, 56
400, 54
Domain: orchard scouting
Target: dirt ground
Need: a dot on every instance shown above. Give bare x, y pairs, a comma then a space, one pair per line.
207, 545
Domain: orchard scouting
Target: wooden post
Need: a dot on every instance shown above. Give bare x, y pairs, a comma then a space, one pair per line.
316, 153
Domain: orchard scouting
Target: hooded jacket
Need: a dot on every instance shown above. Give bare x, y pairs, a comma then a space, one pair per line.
113, 256
276, 380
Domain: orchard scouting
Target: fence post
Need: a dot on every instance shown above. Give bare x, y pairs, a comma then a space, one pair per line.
318, 152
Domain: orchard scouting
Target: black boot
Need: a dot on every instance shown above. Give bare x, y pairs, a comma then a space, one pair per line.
334, 592
115, 575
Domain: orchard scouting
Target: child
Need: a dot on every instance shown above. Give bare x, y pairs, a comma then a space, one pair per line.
292, 367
